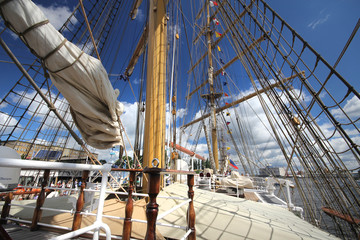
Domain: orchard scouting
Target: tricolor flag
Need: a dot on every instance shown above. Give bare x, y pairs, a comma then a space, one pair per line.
213, 3
217, 34
233, 164
216, 22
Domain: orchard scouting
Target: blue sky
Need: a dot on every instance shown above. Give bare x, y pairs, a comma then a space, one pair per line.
324, 24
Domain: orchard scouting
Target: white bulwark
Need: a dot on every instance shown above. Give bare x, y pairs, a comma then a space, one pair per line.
272, 171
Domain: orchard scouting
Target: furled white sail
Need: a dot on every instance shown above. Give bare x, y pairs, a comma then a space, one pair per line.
81, 78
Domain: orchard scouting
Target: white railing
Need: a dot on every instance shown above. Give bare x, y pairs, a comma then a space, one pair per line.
98, 224
29, 164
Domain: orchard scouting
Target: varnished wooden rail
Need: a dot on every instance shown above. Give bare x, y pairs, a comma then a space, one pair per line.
127, 226
152, 207
129, 209
39, 202
26, 192
191, 210
80, 202
6, 208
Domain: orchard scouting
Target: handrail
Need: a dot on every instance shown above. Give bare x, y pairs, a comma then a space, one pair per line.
154, 184
31, 164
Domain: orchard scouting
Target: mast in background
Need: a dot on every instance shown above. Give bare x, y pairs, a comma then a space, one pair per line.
211, 96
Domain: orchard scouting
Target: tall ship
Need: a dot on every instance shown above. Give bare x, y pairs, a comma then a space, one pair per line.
225, 93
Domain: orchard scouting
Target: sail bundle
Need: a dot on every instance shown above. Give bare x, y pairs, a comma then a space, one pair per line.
81, 78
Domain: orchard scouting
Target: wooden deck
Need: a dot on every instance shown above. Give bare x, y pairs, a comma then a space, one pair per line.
17, 232
112, 207
251, 196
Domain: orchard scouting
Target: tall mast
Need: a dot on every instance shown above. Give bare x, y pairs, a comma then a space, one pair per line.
211, 94
154, 130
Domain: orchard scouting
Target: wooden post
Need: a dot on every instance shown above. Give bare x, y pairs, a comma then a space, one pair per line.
40, 201
3, 234
80, 202
129, 209
191, 210
152, 208
6, 208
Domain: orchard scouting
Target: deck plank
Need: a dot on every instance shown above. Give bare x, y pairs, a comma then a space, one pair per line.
18, 232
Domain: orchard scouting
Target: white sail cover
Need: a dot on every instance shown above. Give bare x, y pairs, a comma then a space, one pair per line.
81, 78
235, 180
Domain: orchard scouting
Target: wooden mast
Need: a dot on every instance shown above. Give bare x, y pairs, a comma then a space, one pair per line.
211, 94
154, 130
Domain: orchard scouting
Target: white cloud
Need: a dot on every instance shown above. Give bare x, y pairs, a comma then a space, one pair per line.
257, 128
140, 15
135, 81
107, 154
352, 109
38, 106
3, 104
10, 123
87, 47
180, 113
57, 15
318, 21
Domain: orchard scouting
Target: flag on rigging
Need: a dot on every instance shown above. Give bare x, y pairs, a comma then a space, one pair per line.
226, 103
221, 61
217, 34
233, 164
216, 22
223, 73
225, 83
213, 3
227, 114
219, 48
227, 123
226, 95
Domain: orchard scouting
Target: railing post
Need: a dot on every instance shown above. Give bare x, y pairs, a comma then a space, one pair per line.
3, 234
40, 201
191, 210
6, 208
152, 208
80, 202
129, 209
